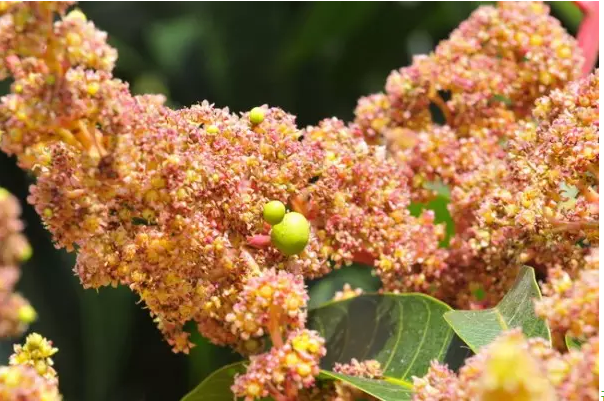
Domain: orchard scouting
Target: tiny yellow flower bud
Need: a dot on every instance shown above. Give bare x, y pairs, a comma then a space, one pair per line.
76, 15
212, 129
291, 360
304, 369
253, 390
266, 291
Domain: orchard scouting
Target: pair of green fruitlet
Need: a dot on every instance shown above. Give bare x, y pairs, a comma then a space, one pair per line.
290, 232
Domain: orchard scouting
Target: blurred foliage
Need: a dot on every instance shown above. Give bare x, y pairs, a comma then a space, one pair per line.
312, 59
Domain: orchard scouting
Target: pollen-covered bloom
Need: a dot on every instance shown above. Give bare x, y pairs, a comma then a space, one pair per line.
572, 307
138, 187
272, 302
15, 312
359, 205
516, 368
284, 370
30, 375
483, 81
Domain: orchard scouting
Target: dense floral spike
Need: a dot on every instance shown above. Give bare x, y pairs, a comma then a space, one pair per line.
30, 375
171, 203
359, 204
269, 303
284, 370
486, 75
572, 307
513, 367
138, 187
15, 312
484, 81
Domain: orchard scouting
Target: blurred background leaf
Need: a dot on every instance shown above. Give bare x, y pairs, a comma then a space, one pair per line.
312, 59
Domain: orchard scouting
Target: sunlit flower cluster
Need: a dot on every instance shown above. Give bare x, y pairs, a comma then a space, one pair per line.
171, 203
30, 375
218, 218
516, 368
572, 307
284, 369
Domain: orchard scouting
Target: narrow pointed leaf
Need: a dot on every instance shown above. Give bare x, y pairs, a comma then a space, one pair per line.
380, 389
516, 309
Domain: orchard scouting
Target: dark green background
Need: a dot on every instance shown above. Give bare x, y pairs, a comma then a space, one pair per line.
312, 59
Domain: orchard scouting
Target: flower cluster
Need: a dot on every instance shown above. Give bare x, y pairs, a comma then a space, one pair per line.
503, 161
513, 367
370, 369
270, 303
283, 370
188, 207
15, 312
30, 375
347, 292
170, 202
572, 307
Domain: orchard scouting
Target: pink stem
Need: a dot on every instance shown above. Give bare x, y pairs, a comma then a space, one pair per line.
587, 36
259, 241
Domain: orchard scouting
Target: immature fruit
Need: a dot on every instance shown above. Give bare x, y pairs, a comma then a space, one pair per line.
291, 235
27, 314
273, 212
256, 115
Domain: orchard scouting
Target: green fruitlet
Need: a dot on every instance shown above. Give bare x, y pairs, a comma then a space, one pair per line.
256, 115
291, 235
273, 212
27, 314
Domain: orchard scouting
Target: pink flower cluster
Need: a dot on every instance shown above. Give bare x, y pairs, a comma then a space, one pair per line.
15, 312
169, 202
515, 368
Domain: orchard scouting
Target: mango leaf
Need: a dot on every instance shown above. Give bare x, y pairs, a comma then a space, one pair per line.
572, 343
357, 275
403, 332
380, 389
217, 386
479, 328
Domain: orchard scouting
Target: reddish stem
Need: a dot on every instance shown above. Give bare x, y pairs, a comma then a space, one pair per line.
587, 35
259, 241
273, 327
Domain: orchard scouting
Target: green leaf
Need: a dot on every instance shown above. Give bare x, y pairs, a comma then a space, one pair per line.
441, 212
380, 389
357, 275
479, 328
217, 386
572, 343
503, 99
403, 332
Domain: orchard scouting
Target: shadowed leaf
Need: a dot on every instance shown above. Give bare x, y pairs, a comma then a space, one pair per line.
403, 332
